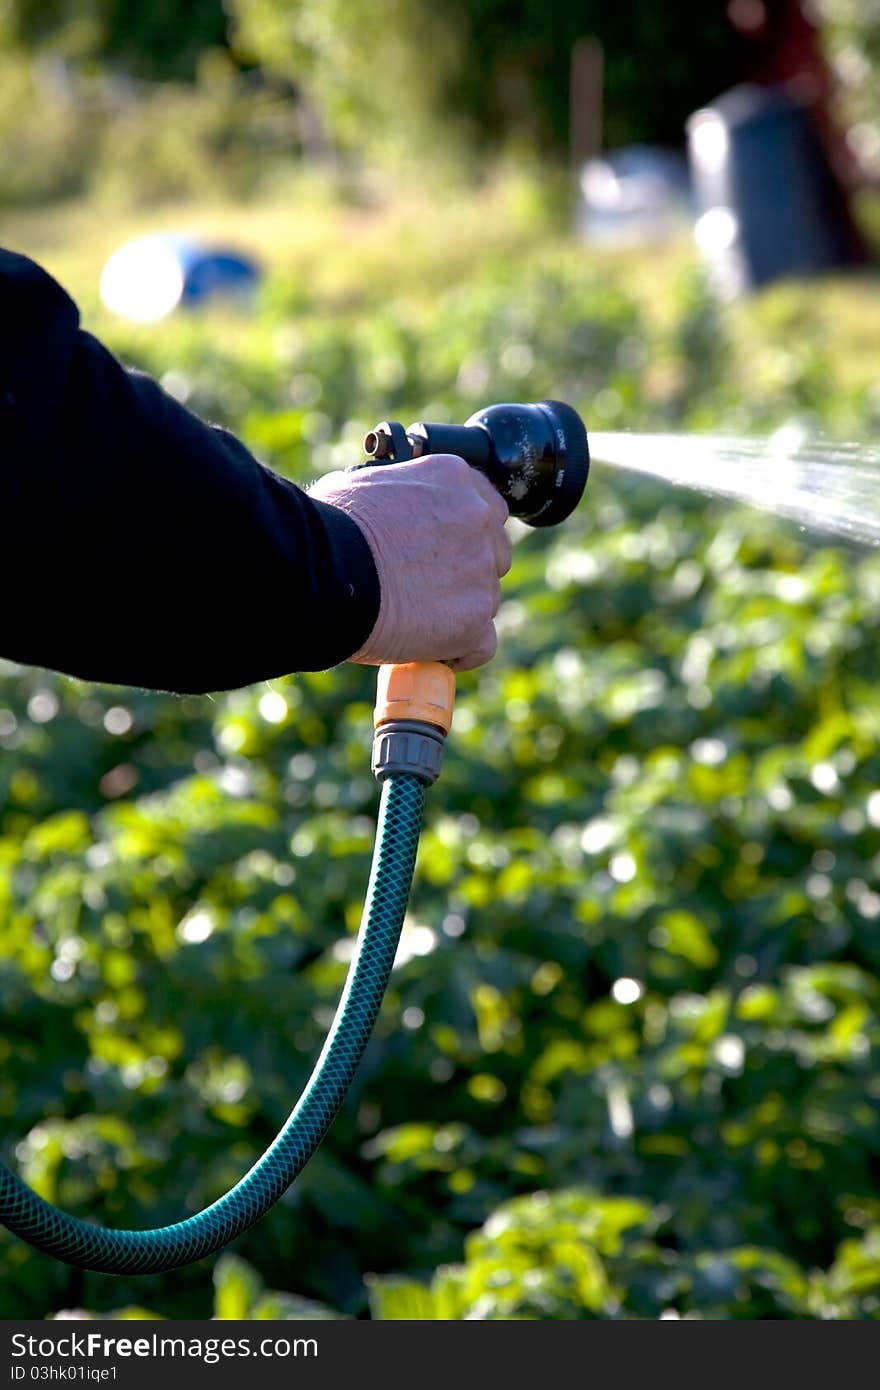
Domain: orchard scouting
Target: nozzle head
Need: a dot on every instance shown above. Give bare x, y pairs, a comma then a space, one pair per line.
536, 455
541, 458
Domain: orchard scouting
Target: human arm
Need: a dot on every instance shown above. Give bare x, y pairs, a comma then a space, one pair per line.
140, 545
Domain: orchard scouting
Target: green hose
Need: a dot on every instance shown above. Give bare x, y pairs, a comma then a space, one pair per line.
169, 1247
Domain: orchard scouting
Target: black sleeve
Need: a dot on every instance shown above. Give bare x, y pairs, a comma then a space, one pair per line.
142, 546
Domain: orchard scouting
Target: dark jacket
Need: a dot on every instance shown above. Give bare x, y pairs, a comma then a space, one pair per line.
139, 544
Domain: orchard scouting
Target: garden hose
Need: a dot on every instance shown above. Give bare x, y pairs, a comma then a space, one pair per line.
538, 459
413, 715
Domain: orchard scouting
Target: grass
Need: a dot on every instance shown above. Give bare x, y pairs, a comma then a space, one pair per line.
411, 245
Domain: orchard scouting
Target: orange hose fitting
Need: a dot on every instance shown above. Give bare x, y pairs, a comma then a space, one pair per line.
422, 690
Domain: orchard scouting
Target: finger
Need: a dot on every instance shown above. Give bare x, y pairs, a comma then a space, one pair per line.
496, 601
328, 481
478, 655
503, 553
497, 554
443, 466
490, 495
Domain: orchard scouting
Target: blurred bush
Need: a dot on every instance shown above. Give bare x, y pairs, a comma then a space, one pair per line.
475, 76
148, 40
851, 30
152, 102
69, 126
628, 1061
577, 1254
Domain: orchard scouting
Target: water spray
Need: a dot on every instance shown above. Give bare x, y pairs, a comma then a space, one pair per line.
823, 485
538, 458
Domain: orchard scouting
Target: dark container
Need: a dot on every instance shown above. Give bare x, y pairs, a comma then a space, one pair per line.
771, 205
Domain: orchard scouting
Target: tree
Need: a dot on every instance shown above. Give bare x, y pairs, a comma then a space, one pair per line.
852, 29
149, 38
494, 70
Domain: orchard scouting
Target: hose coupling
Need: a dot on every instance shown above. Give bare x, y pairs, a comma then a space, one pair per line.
413, 715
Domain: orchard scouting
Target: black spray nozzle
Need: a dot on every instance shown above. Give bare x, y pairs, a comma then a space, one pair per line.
537, 456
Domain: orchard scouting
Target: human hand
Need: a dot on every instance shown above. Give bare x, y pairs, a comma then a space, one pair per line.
435, 527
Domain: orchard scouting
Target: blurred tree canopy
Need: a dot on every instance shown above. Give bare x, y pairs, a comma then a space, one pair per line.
467, 74
500, 68
270, 79
852, 29
159, 39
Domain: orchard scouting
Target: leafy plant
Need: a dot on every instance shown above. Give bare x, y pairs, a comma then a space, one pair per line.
627, 1063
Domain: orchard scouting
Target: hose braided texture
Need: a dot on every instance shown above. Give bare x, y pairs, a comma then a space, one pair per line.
168, 1247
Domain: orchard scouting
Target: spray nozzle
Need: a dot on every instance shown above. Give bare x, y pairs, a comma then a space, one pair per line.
537, 455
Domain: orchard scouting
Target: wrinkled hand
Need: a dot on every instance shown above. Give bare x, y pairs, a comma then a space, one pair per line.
436, 530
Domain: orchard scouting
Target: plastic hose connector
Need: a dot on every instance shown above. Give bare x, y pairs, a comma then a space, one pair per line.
412, 717
407, 748
168, 1247
415, 690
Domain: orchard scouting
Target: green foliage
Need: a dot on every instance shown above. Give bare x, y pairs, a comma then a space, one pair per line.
489, 72
161, 39
239, 1294
47, 145
575, 1254
627, 1064
852, 39
156, 100
67, 128
378, 78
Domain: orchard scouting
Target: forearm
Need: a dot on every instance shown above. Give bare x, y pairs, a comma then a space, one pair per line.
140, 545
